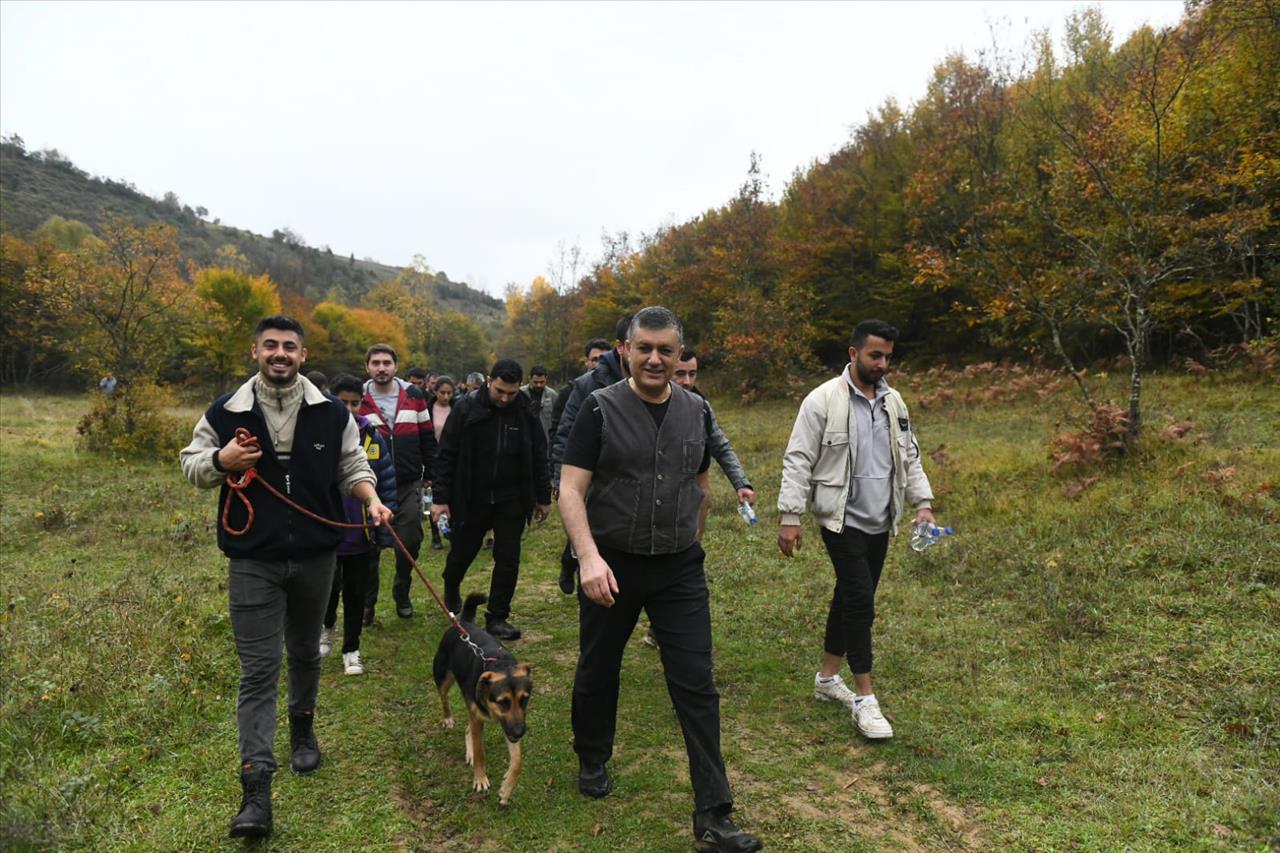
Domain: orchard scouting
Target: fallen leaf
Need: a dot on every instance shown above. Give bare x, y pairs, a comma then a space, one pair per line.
1042, 782
1238, 729
597, 829
1099, 717
1222, 831
1220, 475
1074, 490
1182, 469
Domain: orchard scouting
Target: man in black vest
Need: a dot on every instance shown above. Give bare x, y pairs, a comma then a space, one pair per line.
491, 474
633, 493
281, 566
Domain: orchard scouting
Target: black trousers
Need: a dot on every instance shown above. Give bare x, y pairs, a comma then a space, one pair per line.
506, 519
408, 526
858, 559
672, 589
351, 581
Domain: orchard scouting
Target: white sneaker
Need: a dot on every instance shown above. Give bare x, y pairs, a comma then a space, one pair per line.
832, 691
326, 641
352, 664
867, 716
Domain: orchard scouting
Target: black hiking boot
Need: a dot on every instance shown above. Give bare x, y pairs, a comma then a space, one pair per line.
254, 818
302, 739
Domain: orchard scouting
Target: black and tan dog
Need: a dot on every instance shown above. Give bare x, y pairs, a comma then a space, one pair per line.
495, 686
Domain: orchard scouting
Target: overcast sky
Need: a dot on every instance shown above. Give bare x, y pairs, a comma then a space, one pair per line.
479, 135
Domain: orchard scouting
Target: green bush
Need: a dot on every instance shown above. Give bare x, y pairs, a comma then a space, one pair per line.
132, 423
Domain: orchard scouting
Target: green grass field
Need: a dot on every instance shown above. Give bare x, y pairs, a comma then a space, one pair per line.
1089, 672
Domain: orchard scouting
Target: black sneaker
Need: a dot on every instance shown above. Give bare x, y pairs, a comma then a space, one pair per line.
488, 544
593, 780
501, 628
717, 834
302, 739
254, 817
404, 609
437, 545
453, 599
368, 616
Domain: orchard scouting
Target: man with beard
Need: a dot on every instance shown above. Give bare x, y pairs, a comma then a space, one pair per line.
854, 460
491, 474
399, 411
281, 566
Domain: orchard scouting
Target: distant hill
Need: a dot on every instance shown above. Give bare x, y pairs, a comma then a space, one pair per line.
37, 185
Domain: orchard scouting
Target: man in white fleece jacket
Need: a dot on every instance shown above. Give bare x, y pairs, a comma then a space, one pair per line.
854, 461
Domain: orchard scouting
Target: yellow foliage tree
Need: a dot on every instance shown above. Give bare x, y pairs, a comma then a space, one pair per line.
232, 304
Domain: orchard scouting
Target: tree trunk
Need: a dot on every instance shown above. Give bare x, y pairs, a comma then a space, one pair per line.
1076, 374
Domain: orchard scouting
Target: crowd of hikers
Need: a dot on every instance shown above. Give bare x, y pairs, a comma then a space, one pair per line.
350, 467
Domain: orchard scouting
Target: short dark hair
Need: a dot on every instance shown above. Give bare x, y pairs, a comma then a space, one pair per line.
446, 379
508, 370
867, 328
416, 372
687, 354
623, 329
385, 349
318, 379
596, 343
278, 321
654, 318
537, 370
346, 382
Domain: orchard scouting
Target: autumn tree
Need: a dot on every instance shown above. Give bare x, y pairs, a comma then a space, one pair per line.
31, 310
351, 331
123, 299
456, 345
231, 304
537, 330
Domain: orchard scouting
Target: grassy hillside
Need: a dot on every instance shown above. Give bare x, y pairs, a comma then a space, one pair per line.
1087, 665
34, 187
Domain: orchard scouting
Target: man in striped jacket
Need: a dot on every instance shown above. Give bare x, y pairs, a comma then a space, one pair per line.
399, 411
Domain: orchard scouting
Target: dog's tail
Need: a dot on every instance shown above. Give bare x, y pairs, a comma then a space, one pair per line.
469, 607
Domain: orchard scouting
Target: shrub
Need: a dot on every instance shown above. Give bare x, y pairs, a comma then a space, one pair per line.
133, 423
1103, 438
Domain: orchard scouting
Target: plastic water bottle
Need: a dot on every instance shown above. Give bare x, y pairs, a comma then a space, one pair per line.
747, 512
443, 524
426, 502
925, 534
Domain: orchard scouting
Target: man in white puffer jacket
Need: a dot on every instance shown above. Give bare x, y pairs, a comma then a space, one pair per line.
853, 460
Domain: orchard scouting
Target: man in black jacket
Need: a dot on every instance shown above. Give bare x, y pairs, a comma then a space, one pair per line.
610, 367
491, 473
281, 561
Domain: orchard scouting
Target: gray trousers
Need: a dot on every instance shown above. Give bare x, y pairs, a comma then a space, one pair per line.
275, 602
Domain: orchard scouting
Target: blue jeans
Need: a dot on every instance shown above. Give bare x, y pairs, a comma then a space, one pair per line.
275, 603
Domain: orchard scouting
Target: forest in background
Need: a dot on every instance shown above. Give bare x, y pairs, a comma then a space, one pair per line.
50, 209
1084, 205
1078, 204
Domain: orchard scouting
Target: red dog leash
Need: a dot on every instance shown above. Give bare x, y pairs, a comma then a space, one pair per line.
237, 484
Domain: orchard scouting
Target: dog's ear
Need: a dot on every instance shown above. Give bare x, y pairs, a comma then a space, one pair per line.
521, 670
486, 679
